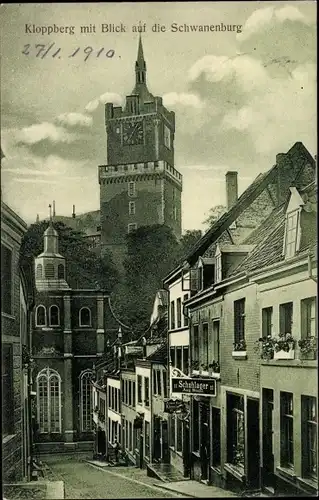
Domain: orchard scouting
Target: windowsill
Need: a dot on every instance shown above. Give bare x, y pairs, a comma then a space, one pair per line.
196, 454
290, 362
177, 329
237, 471
216, 468
286, 473
178, 453
308, 482
239, 354
7, 438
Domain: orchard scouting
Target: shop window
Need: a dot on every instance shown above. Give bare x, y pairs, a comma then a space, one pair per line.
235, 430
147, 438
216, 437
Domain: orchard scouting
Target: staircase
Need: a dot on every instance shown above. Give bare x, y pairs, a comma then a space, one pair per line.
165, 472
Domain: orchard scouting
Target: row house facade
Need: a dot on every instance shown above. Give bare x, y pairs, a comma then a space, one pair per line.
16, 307
228, 309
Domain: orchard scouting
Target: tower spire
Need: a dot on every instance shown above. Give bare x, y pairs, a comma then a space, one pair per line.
140, 65
50, 214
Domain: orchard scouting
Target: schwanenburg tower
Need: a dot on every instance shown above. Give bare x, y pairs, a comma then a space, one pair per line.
139, 185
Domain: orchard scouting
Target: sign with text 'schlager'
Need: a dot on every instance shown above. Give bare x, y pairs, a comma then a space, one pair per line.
199, 386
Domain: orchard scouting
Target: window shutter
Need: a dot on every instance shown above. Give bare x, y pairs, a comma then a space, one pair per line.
194, 275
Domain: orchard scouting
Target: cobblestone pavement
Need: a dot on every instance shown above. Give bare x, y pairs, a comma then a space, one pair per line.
82, 480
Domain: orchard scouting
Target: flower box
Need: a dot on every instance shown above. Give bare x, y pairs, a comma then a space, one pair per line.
239, 354
284, 354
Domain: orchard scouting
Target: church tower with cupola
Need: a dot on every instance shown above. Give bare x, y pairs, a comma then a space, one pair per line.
139, 185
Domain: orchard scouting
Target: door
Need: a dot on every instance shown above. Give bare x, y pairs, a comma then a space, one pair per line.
157, 439
186, 449
204, 441
268, 434
253, 455
164, 437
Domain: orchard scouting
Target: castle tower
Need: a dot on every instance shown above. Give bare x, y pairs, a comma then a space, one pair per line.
50, 265
139, 185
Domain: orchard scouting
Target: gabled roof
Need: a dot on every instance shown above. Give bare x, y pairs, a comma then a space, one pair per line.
160, 355
296, 152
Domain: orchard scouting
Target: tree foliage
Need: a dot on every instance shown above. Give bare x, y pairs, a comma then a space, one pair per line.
84, 269
215, 213
153, 252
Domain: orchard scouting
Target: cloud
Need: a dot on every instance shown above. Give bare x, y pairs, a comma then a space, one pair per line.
35, 181
104, 98
75, 119
42, 131
184, 99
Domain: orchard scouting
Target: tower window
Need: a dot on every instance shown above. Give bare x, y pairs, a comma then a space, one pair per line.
86, 401
49, 401
131, 227
49, 270
131, 189
167, 137
39, 271
54, 316
85, 316
61, 272
41, 316
131, 208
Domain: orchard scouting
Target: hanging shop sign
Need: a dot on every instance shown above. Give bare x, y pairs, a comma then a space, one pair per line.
173, 405
198, 386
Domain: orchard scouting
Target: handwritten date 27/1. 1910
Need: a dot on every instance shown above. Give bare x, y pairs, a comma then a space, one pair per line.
41, 51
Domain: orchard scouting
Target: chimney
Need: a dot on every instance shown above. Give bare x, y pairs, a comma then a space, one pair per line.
231, 189
37, 219
73, 213
53, 208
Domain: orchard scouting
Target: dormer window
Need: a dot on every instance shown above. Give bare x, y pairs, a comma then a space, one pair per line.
292, 222
218, 268
85, 317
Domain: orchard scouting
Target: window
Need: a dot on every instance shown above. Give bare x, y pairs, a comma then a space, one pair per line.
147, 439
61, 272
41, 316
49, 271
239, 320
286, 429
267, 314
134, 394
54, 316
146, 391
196, 343
6, 280
7, 390
159, 383
172, 355
131, 227
308, 317
175, 213
285, 317
309, 436
167, 137
216, 347
291, 233
172, 431
195, 428
130, 392
178, 358
185, 311
164, 384
205, 345
39, 272
86, 401
85, 316
236, 430
139, 388
130, 436
49, 401
216, 436
172, 315
131, 208
131, 189
179, 434
185, 360
154, 381
218, 268
179, 312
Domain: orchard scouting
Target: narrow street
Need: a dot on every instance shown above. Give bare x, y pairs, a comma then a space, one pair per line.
82, 480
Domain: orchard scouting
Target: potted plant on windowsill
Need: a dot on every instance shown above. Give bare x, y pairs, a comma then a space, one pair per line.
214, 368
239, 350
308, 346
284, 346
266, 347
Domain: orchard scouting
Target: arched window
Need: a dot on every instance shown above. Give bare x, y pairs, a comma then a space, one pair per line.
54, 316
49, 401
49, 270
61, 272
39, 271
86, 406
85, 316
41, 316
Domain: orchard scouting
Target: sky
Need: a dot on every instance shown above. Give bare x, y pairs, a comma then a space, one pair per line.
240, 97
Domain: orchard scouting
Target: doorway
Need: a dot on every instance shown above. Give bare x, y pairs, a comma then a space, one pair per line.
268, 437
253, 454
204, 440
164, 438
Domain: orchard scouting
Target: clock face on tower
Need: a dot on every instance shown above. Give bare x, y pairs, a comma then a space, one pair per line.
133, 133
